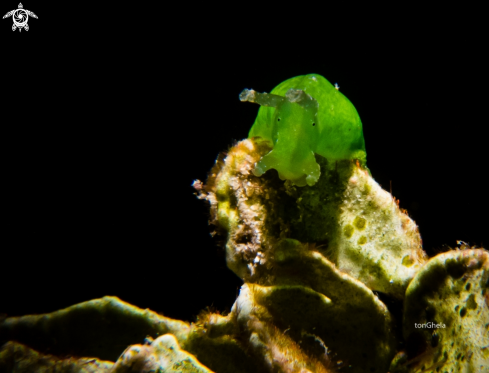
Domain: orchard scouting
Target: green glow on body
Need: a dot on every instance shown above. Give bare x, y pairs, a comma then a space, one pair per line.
303, 116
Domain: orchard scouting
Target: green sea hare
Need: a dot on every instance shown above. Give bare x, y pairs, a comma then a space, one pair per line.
301, 117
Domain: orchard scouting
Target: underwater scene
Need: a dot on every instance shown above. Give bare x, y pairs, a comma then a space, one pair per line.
305, 216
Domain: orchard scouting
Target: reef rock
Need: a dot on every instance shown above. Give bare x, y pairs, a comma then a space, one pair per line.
321, 266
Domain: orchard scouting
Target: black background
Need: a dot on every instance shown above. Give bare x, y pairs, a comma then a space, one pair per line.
109, 114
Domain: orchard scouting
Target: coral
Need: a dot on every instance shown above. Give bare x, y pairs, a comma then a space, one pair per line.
312, 256
318, 323
105, 327
162, 355
18, 358
446, 315
275, 348
100, 327
353, 222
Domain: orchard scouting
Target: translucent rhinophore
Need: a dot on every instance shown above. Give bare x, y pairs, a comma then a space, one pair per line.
303, 116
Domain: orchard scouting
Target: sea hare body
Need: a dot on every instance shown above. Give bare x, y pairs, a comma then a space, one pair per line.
301, 117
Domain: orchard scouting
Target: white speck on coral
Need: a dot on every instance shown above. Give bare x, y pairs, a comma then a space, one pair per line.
249, 144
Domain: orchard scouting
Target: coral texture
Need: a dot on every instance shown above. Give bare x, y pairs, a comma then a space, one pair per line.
446, 316
161, 355
356, 225
315, 260
18, 358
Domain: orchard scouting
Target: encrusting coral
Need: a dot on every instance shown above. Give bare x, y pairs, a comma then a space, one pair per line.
319, 245
163, 354
352, 221
105, 327
446, 315
18, 358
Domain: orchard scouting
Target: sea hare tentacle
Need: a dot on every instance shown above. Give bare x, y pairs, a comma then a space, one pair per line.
263, 99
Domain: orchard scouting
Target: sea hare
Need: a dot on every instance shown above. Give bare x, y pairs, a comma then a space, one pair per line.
301, 117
